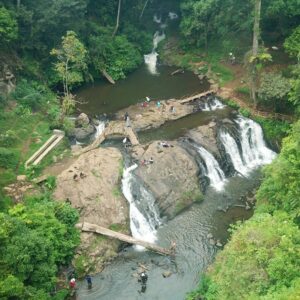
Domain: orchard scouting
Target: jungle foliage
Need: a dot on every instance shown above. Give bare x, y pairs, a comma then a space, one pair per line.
36, 237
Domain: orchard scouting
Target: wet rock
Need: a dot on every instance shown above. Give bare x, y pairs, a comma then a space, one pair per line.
212, 242
83, 120
166, 274
209, 236
83, 133
171, 178
206, 136
227, 121
201, 76
219, 244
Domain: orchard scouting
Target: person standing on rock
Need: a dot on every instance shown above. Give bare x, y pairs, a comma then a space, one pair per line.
126, 116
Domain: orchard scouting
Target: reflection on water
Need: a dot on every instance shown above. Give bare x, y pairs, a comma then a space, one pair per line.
102, 97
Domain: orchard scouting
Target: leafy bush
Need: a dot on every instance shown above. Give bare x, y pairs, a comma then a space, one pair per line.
243, 90
262, 259
32, 95
8, 158
245, 112
281, 187
8, 138
34, 242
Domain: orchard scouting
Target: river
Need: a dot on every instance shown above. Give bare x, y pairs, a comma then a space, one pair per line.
191, 228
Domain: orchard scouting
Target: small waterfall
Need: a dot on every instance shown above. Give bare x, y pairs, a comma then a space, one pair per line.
209, 104
151, 58
99, 128
254, 151
157, 19
232, 150
142, 225
215, 104
172, 15
212, 170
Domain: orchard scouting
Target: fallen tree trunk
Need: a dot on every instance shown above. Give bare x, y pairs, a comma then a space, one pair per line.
178, 71
108, 77
88, 227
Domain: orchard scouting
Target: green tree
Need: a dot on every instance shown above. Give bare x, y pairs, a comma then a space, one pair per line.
71, 62
260, 261
35, 238
274, 89
8, 26
281, 187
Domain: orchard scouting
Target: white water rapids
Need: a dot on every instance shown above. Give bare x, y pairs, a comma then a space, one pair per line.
151, 58
142, 223
253, 151
212, 170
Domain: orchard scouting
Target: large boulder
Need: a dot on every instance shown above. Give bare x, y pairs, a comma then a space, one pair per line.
206, 136
172, 177
83, 120
91, 185
82, 133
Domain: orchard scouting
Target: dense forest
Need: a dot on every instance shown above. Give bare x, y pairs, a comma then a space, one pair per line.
48, 49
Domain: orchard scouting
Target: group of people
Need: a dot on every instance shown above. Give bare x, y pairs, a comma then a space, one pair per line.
73, 285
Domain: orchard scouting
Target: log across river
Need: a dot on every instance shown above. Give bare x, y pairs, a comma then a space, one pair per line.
88, 227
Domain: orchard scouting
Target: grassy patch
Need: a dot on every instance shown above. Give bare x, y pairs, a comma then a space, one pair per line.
244, 90
118, 227
116, 191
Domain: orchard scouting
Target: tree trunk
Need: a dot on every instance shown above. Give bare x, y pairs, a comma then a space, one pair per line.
118, 18
144, 7
256, 33
256, 30
18, 4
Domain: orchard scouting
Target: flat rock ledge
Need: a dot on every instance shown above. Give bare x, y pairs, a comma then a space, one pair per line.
91, 185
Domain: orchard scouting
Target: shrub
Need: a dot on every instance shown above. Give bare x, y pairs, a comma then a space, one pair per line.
8, 158
8, 138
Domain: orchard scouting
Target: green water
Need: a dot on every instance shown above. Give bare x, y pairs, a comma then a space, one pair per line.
102, 97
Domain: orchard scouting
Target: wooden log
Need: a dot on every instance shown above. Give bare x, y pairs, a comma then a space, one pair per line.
178, 71
108, 77
197, 96
88, 227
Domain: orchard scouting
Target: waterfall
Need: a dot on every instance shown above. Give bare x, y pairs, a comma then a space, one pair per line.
211, 104
232, 150
99, 128
254, 151
142, 223
151, 58
212, 169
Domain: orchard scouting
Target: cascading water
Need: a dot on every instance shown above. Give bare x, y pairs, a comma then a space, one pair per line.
142, 224
212, 169
232, 150
151, 59
211, 105
254, 151
99, 128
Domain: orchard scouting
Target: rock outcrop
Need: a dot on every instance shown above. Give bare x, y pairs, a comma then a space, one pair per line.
91, 185
172, 177
206, 136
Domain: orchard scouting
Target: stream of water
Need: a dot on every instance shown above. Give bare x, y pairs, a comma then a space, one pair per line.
246, 151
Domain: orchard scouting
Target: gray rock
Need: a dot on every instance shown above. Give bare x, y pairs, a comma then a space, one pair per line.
84, 132
166, 274
209, 236
83, 120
